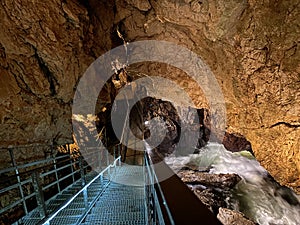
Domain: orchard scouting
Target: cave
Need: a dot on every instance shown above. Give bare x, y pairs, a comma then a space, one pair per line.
207, 89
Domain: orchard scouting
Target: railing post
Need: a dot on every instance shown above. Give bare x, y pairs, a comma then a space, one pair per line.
81, 167
115, 164
146, 190
119, 154
107, 159
71, 164
56, 175
14, 164
114, 152
99, 157
85, 197
151, 195
39, 194
83, 182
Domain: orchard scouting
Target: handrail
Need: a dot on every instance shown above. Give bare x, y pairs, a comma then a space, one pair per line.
118, 159
19, 176
44, 161
15, 185
29, 180
185, 207
47, 221
29, 172
155, 182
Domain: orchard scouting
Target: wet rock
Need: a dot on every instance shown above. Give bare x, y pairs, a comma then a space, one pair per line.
236, 143
212, 198
224, 181
232, 217
215, 191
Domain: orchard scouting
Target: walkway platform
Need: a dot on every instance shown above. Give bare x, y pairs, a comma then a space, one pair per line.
120, 200
123, 201
118, 196
67, 215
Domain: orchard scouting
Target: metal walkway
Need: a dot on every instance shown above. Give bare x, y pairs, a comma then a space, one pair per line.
118, 194
68, 215
103, 201
121, 204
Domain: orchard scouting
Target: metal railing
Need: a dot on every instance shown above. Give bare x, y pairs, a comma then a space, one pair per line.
84, 191
155, 199
37, 183
12, 178
32, 185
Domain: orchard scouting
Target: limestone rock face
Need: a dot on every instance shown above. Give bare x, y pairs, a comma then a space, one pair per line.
252, 48
44, 49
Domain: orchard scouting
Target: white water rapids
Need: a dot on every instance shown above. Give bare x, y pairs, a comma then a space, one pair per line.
257, 195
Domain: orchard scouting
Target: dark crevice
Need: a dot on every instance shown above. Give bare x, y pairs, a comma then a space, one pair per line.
20, 81
47, 73
86, 4
285, 124
115, 38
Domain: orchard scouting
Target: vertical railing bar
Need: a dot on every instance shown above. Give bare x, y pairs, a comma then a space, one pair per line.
14, 164
114, 149
107, 160
119, 154
39, 194
153, 197
67, 203
164, 200
99, 157
83, 180
55, 169
106, 155
56, 174
100, 165
134, 154
85, 197
71, 164
157, 214
145, 192
115, 168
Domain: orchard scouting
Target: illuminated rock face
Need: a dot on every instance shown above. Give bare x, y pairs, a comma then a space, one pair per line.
252, 47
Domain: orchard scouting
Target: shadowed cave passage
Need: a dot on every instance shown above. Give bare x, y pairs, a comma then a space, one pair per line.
174, 134
180, 134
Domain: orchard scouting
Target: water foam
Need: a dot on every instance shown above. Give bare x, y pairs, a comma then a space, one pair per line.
257, 195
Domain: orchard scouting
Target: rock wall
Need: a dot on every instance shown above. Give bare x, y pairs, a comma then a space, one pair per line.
251, 46
45, 47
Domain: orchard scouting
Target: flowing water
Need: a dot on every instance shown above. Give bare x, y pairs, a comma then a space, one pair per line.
257, 195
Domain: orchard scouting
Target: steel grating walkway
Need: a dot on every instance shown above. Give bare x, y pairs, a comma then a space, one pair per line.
73, 210
123, 195
118, 199
123, 201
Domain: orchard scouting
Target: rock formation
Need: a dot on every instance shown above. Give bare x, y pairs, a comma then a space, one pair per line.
214, 190
231, 217
252, 47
